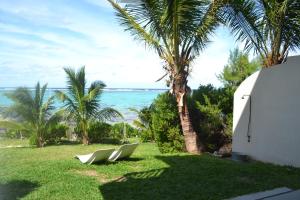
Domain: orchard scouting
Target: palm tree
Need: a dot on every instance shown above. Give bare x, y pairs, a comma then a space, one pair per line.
83, 105
270, 27
31, 112
178, 31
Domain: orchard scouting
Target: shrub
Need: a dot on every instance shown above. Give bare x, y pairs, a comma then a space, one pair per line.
122, 131
56, 133
33, 140
98, 131
144, 123
211, 114
146, 135
166, 124
15, 134
211, 125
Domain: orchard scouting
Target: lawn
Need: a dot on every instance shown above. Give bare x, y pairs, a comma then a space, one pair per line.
53, 173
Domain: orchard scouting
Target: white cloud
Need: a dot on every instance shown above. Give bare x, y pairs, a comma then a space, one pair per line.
109, 53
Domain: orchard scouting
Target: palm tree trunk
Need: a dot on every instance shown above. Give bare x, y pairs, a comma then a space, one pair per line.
85, 139
85, 136
40, 141
192, 142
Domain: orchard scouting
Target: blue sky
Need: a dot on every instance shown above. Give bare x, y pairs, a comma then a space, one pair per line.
39, 38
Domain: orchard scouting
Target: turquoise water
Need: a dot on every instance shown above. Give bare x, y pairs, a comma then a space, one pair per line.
120, 99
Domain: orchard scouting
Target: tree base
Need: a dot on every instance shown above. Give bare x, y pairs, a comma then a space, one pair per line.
192, 143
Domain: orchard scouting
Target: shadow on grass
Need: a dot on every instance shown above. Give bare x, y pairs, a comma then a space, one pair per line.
16, 189
197, 177
131, 159
113, 163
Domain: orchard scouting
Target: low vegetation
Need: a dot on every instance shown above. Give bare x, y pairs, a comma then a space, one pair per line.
31, 113
52, 173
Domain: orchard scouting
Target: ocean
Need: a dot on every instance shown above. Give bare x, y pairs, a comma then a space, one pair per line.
118, 98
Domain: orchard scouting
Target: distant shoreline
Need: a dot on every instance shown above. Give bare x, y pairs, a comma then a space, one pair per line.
120, 99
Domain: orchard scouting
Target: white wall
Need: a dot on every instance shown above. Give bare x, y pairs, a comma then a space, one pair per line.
267, 109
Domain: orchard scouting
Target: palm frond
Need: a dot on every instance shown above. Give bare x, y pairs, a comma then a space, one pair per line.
108, 114
243, 17
269, 27
131, 17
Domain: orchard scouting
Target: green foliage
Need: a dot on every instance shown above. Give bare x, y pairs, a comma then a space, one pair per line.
56, 133
239, 67
98, 131
211, 125
16, 134
122, 131
33, 140
228, 125
31, 113
81, 105
166, 124
211, 108
10, 133
211, 112
269, 27
222, 96
144, 123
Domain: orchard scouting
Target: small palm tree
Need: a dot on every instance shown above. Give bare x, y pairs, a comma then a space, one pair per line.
83, 105
270, 27
178, 30
31, 112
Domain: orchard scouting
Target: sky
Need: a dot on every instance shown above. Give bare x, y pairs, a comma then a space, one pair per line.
39, 38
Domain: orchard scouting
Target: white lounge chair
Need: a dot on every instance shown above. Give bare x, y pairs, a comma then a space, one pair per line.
124, 151
99, 155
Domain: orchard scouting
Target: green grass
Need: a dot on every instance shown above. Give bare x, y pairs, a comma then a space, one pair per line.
53, 173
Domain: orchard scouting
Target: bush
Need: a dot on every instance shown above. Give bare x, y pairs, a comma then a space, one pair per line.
98, 131
55, 134
15, 134
146, 135
211, 125
143, 123
211, 114
166, 124
33, 140
118, 131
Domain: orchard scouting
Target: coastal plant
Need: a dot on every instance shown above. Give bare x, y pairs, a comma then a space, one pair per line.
269, 27
144, 123
31, 113
98, 131
83, 105
56, 133
239, 67
211, 124
123, 131
211, 114
178, 31
166, 124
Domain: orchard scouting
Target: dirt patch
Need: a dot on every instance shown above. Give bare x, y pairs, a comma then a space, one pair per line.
100, 177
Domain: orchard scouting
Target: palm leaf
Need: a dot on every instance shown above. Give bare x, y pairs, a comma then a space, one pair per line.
108, 114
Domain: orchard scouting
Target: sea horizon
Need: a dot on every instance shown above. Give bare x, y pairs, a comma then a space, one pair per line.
121, 99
